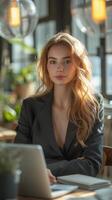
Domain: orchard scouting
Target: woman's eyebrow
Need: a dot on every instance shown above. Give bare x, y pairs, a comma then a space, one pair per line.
50, 57
65, 57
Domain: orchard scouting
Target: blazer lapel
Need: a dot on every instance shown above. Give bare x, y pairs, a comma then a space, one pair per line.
45, 119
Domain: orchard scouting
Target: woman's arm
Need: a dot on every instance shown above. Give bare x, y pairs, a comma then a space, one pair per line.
52, 178
24, 125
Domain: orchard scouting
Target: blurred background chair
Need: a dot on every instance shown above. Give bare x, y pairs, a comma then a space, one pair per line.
107, 150
107, 162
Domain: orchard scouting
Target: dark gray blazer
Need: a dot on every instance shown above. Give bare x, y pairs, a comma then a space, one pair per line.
35, 127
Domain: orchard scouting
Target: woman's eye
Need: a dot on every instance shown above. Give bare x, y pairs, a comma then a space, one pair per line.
67, 61
52, 62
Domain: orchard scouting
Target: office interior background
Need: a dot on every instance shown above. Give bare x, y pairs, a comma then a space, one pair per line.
74, 17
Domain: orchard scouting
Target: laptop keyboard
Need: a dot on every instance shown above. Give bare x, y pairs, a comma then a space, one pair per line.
57, 187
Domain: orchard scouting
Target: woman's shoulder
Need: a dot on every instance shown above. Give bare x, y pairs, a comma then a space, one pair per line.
37, 99
99, 97
100, 100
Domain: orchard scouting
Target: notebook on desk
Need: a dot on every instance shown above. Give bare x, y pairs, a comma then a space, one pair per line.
85, 182
34, 180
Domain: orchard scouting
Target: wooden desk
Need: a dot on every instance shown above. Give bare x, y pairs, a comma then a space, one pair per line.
79, 193
7, 134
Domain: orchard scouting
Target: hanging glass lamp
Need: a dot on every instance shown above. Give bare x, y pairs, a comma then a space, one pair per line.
99, 14
18, 18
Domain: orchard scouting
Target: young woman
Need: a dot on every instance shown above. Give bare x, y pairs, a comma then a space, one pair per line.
65, 116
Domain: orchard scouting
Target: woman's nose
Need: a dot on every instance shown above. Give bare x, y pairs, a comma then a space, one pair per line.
60, 66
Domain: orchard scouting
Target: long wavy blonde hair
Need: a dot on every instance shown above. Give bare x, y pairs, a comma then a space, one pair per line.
84, 106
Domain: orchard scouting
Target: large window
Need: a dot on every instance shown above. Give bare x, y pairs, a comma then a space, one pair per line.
44, 31
20, 55
46, 27
96, 72
98, 41
109, 74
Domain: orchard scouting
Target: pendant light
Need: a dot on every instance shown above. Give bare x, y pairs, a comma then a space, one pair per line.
99, 11
18, 18
13, 14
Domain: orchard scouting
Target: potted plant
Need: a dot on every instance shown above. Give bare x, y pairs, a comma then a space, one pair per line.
17, 84
22, 81
9, 111
9, 172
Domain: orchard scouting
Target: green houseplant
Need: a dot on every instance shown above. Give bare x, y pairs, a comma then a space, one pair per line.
23, 80
10, 109
24, 75
9, 172
18, 83
9, 160
21, 83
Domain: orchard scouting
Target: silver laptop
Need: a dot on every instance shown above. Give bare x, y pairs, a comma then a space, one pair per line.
34, 180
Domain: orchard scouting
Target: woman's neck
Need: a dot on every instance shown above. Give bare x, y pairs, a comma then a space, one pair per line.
62, 97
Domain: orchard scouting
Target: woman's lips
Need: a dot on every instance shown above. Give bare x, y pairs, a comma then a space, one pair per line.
60, 77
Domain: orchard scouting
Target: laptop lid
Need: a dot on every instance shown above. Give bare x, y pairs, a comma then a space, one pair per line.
34, 180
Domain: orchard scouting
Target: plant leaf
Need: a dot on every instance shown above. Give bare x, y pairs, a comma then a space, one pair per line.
25, 46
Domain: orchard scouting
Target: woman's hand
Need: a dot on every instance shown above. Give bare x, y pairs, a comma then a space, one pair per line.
52, 178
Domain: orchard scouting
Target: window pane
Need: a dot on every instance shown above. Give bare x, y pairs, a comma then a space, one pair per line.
42, 7
93, 44
109, 30
83, 26
109, 43
76, 30
96, 72
43, 33
18, 52
109, 19
109, 74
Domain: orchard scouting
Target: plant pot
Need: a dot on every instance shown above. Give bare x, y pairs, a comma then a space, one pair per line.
9, 185
25, 90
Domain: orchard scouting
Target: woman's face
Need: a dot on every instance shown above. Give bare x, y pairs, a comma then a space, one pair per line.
60, 64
